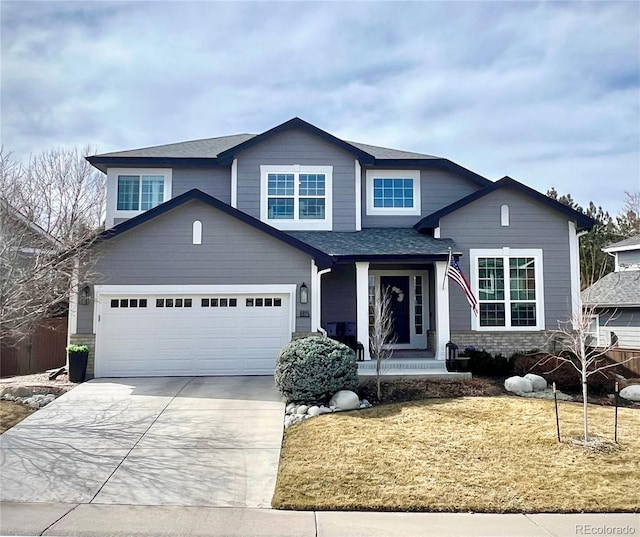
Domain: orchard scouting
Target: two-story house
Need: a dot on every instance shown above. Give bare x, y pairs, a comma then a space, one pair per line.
218, 251
614, 300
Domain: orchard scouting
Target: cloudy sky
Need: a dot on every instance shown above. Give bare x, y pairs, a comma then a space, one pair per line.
545, 92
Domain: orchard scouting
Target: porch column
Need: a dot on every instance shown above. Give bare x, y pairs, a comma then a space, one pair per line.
362, 305
443, 333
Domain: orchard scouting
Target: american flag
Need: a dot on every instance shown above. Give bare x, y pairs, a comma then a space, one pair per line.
455, 273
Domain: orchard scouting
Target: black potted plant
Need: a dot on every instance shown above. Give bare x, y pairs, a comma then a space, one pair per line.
78, 356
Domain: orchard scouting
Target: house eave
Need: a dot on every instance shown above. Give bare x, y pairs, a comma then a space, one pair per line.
103, 163
393, 258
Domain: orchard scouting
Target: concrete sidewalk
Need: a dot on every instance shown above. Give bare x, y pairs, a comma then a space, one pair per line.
97, 520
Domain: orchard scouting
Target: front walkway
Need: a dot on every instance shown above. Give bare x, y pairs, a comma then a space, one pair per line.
203, 441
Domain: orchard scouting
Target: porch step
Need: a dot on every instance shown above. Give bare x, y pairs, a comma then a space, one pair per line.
415, 368
397, 364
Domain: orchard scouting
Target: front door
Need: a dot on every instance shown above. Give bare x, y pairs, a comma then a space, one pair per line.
400, 305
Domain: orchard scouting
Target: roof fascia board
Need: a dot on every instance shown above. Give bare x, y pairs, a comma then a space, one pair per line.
622, 248
296, 123
102, 163
406, 258
322, 259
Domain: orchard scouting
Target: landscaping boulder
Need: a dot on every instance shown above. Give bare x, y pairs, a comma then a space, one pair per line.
345, 400
314, 411
631, 393
537, 382
518, 385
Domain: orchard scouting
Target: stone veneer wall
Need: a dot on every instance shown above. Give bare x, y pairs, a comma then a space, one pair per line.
90, 341
505, 343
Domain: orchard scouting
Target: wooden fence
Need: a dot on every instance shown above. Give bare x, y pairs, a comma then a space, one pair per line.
45, 349
633, 355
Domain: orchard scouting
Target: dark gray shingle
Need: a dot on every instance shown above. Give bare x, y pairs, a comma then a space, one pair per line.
618, 289
376, 241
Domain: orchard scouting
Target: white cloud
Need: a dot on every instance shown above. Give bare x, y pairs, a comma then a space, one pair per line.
544, 92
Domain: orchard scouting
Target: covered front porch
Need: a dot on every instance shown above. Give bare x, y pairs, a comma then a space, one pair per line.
412, 267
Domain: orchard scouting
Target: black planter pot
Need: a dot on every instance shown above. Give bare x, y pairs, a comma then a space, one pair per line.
78, 366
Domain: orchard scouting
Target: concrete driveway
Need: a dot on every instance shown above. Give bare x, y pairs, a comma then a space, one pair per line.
201, 441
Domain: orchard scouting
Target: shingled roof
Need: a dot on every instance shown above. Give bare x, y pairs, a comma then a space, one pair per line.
377, 243
616, 289
631, 243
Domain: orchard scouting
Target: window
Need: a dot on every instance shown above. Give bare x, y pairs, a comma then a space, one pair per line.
393, 192
219, 302
263, 302
174, 302
131, 191
129, 303
593, 332
508, 285
140, 192
296, 197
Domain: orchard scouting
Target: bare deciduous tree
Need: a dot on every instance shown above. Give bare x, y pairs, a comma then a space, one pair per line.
382, 334
586, 356
50, 211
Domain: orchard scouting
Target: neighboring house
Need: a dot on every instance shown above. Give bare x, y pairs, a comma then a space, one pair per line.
218, 251
34, 324
615, 298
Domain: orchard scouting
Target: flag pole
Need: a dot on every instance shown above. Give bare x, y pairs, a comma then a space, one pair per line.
446, 270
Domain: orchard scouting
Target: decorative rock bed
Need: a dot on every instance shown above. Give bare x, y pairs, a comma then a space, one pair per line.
30, 396
533, 386
343, 400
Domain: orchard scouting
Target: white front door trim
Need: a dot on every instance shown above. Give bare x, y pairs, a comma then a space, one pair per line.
418, 341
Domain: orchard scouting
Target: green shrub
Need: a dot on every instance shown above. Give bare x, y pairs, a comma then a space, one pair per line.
77, 349
314, 368
485, 364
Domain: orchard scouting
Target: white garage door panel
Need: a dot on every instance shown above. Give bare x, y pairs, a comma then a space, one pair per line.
196, 340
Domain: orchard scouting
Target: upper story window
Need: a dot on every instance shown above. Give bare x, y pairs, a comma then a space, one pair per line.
140, 192
393, 192
296, 197
509, 287
131, 191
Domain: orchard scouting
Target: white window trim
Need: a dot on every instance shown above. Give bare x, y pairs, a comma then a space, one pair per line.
474, 254
112, 211
296, 223
394, 174
595, 317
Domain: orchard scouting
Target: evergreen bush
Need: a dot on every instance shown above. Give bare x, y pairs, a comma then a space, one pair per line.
312, 369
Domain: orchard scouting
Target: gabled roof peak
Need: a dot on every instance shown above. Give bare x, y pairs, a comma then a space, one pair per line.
432, 221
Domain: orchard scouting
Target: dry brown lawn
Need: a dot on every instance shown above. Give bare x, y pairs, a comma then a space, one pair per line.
493, 454
12, 413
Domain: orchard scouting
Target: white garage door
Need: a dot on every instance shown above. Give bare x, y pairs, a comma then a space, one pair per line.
191, 334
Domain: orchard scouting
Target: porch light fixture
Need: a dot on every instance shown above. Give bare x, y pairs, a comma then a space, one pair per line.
304, 294
85, 295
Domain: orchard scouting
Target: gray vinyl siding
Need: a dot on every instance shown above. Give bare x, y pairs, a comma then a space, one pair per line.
339, 295
620, 317
631, 257
298, 147
438, 188
532, 225
215, 181
161, 252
